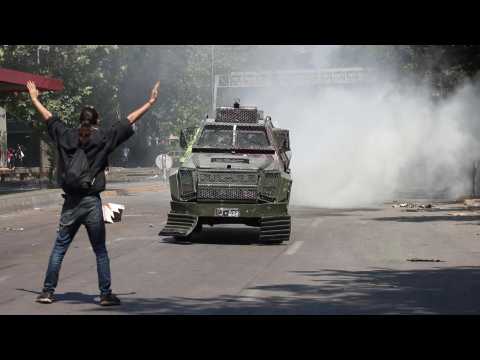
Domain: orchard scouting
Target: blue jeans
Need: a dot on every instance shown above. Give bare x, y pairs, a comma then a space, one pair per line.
76, 211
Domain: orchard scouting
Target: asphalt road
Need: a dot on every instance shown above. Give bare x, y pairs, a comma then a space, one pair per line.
338, 261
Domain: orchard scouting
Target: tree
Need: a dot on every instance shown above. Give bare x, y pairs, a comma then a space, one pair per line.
91, 74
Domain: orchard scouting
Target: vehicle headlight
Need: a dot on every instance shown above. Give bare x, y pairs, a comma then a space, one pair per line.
186, 179
269, 185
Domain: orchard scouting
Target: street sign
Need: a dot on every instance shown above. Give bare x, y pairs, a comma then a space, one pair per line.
163, 161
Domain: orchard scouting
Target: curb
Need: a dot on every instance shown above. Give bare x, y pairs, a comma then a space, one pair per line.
42, 198
30, 200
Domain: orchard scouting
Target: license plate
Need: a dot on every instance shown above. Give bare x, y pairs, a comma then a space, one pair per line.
224, 212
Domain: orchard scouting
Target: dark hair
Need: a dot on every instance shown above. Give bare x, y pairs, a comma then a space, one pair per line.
88, 117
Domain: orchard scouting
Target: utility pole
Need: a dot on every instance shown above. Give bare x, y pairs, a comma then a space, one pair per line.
213, 79
45, 164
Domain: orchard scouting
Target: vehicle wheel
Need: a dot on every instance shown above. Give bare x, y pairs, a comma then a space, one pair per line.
198, 228
181, 238
274, 242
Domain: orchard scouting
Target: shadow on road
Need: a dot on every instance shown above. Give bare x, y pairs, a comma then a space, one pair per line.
310, 212
338, 292
75, 297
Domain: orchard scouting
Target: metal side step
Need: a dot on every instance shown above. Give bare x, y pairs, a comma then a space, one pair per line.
179, 225
275, 229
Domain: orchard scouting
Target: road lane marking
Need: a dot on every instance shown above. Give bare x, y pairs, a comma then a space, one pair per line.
294, 247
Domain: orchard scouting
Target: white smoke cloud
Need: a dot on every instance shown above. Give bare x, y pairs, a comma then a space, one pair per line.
364, 145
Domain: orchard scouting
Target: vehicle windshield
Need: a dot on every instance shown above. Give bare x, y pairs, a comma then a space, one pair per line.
251, 139
222, 138
219, 138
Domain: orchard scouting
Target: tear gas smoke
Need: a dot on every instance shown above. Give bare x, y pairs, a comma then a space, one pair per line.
360, 146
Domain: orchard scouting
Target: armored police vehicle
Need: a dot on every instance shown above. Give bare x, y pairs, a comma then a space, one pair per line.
235, 171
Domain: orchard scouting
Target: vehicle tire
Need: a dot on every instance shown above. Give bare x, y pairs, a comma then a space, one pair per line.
274, 242
198, 228
180, 238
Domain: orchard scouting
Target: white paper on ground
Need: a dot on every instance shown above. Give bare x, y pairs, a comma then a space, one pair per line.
112, 212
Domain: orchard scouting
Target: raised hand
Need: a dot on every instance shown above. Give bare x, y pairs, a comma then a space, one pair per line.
154, 93
137, 114
32, 89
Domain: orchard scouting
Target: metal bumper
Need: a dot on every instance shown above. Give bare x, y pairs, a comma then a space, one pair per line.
275, 229
274, 221
179, 225
207, 209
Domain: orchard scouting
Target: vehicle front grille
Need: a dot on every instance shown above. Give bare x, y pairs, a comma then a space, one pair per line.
237, 178
227, 185
227, 193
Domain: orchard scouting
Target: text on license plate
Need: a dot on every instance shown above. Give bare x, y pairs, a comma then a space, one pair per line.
224, 212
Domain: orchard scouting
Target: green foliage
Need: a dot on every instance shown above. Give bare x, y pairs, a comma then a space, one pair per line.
444, 67
91, 75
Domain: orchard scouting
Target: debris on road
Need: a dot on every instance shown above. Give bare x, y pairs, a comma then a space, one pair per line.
424, 260
13, 228
112, 212
472, 204
150, 225
411, 207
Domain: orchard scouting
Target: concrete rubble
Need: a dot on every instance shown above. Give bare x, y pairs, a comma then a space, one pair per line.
13, 228
472, 203
410, 206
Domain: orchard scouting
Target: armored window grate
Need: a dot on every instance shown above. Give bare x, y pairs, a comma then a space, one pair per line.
232, 115
227, 178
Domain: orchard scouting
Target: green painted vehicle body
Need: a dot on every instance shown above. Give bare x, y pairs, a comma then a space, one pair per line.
235, 171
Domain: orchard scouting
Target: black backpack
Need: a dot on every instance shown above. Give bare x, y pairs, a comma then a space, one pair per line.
77, 176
